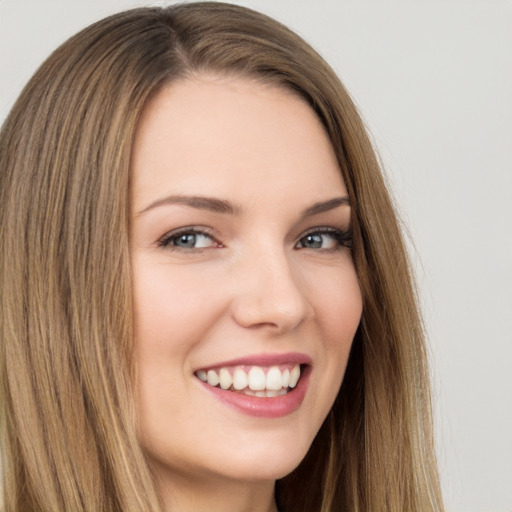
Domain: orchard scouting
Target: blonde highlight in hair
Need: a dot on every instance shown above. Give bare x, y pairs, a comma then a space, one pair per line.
68, 424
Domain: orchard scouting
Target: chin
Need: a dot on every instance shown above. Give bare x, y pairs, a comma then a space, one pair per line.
251, 456
269, 459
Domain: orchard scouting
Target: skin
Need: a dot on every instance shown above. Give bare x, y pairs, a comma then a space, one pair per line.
249, 287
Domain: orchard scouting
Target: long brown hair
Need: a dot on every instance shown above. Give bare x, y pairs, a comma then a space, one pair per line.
68, 428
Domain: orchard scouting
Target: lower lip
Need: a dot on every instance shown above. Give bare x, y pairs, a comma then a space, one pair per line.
264, 407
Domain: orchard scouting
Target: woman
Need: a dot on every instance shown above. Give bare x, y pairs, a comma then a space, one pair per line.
192, 214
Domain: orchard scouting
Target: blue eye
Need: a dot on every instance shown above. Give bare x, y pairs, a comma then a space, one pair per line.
187, 239
313, 241
325, 238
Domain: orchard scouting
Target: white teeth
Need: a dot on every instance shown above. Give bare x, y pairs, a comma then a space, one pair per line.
257, 378
274, 379
294, 376
240, 379
212, 378
225, 379
274, 383
285, 379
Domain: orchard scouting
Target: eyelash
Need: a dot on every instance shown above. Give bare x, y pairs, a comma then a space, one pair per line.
343, 238
167, 240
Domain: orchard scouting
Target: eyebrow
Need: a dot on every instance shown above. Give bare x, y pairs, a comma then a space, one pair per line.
199, 202
222, 206
325, 206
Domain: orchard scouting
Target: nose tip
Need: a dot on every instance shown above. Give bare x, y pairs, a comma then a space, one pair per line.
270, 297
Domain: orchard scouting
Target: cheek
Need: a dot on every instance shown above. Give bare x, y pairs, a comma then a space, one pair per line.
338, 309
173, 307
338, 305
174, 310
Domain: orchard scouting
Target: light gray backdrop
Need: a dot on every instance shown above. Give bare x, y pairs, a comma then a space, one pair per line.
433, 79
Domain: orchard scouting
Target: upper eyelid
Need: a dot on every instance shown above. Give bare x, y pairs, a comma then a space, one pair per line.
327, 230
320, 229
344, 236
174, 233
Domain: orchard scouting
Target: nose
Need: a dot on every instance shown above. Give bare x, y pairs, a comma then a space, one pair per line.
270, 294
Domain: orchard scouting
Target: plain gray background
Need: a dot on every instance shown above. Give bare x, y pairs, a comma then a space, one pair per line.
433, 79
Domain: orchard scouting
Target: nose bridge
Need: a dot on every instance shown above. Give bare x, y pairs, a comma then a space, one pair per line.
269, 291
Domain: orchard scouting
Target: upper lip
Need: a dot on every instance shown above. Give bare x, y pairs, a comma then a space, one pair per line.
263, 360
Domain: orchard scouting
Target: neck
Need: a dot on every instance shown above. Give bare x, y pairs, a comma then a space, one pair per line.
217, 495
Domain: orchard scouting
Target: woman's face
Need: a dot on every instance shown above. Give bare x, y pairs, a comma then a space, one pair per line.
242, 277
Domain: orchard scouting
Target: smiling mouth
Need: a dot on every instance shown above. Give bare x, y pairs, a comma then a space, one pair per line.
258, 381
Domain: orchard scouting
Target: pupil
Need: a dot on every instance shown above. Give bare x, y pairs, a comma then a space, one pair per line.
186, 241
313, 241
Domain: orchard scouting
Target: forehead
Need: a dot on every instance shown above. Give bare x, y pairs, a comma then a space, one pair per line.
231, 136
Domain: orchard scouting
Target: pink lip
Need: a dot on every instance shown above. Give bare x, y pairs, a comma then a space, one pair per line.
263, 360
262, 407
